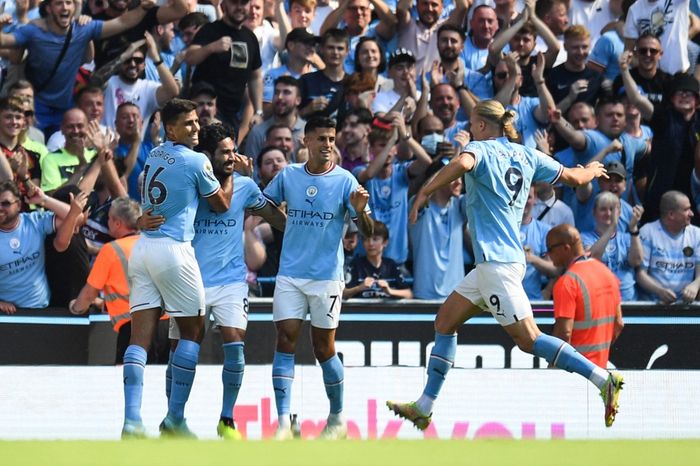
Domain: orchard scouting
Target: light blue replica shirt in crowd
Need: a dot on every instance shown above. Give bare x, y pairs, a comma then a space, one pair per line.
388, 199
534, 236
497, 189
670, 260
22, 261
615, 257
316, 207
174, 178
218, 238
44, 48
526, 124
632, 148
437, 240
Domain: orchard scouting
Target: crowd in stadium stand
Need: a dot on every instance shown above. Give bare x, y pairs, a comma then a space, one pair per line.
614, 81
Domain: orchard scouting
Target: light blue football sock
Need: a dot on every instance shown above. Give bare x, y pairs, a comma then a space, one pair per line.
562, 355
282, 379
441, 360
135, 359
169, 375
232, 376
184, 365
333, 375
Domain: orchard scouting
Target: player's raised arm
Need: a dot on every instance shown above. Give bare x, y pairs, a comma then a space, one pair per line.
582, 175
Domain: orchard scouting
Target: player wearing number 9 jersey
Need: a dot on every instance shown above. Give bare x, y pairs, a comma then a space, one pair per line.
163, 272
498, 175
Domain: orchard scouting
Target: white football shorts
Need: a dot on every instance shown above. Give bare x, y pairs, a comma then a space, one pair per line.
163, 273
228, 304
294, 297
498, 288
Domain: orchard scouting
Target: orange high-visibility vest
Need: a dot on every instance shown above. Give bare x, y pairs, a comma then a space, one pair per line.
589, 293
109, 273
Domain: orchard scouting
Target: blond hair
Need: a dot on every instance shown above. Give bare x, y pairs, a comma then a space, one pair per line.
577, 31
493, 112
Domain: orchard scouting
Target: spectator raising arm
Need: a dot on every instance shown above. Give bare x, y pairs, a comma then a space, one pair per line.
572, 136
502, 38
168, 88
126, 21
64, 233
175, 10
99, 77
387, 19
541, 112
646, 108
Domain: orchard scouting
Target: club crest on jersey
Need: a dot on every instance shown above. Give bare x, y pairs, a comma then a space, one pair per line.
688, 251
14, 243
311, 191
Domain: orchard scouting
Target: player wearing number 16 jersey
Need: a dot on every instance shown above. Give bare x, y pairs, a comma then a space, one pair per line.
310, 279
498, 175
163, 272
218, 247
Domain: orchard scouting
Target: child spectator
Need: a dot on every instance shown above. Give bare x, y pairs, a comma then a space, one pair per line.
374, 276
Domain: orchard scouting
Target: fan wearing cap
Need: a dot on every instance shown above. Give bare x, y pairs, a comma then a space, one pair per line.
402, 70
355, 17
676, 128
616, 183
301, 54
420, 35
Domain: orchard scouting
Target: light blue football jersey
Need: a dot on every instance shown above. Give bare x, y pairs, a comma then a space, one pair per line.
175, 177
438, 248
616, 257
316, 207
534, 235
22, 261
497, 189
388, 199
218, 238
670, 260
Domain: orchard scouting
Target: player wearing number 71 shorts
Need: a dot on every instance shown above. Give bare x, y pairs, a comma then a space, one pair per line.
163, 272
498, 175
310, 279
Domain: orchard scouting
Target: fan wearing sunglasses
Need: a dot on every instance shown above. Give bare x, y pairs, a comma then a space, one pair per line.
23, 282
649, 77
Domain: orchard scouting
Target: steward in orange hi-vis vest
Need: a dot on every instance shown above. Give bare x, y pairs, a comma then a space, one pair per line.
589, 293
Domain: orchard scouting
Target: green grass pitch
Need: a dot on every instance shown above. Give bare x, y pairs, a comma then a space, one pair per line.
381, 452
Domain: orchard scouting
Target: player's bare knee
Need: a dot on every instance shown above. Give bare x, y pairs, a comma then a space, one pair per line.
324, 350
286, 341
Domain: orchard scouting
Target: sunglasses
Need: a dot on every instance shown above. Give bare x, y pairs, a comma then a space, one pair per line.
648, 51
137, 60
501, 75
6, 204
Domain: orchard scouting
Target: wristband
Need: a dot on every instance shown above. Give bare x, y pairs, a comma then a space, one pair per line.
158, 63
634, 233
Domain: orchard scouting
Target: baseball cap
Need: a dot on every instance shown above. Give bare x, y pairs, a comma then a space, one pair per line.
301, 35
401, 55
684, 82
616, 168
